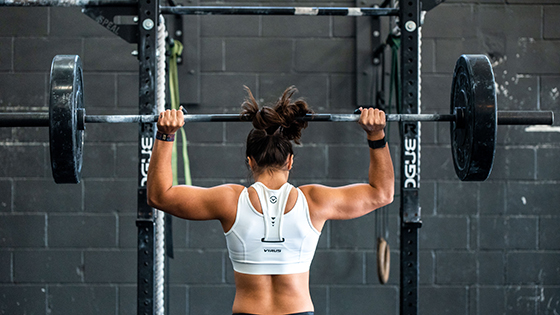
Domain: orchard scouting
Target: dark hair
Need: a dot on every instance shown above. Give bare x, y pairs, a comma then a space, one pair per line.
269, 142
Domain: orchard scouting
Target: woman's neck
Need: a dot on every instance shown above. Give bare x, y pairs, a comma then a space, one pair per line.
272, 180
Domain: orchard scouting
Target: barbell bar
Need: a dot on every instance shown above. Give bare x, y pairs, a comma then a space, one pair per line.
473, 118
41, 119
217, 10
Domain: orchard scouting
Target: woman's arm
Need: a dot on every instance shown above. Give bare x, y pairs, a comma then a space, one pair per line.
348, 202
188, 202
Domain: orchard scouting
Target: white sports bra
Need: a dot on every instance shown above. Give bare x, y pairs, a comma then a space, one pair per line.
272, 243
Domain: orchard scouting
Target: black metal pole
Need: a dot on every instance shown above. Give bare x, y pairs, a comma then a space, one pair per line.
255, 10
409, 20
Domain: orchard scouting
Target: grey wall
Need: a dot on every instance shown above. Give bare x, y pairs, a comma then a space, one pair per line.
486, 248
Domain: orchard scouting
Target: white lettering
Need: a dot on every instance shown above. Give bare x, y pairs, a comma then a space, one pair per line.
410, 169
267, 250
146, 145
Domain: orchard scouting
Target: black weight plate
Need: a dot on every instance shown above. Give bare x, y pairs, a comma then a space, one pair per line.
66, 140
473, 135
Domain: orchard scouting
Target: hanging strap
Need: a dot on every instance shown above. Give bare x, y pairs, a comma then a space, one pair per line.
273, 203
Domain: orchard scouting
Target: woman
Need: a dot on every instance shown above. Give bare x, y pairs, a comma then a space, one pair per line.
271, 228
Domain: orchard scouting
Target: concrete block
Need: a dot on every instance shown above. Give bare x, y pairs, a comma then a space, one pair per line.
427, 197
202, 299
449, 50
99, 161
213, 94
547, 164
436, 89
93, 231
521, 300
127, 299
550, 92
86, 300
337, 267
549, 302
442, 300
322, 55
6, 193
71, 22
106, 196
550, 20
516, 135
206, 234
127, 231
334, 134
517, 91
45, 196
309, 162
109, 54
342, 93
312, 88
36, 54
361, 300
491, 300
533, 56
343, 27
444, 233
514, 164
509, 20
6, 274
178, 300
437, 163
212, 54
354, 234
229, 165
427, 261
532, 198
127, 160
25, 161
197, 267
22, 230
118, 132
104, 85
457, 198
448, 21
549, 238
221, 26
48, 266
258, 55
508, 232
492, 198
108, 266
319, 296
127, 90
204, 133
532, 268
348, 162
456, 268
428, 58
24, 21
295, 26
23, 90
491, 267
237, 133
28, 299
6, 53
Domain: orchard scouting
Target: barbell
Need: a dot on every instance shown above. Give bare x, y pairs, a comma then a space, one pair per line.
473, 118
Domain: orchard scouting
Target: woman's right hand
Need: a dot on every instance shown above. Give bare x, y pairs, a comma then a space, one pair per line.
373, 122
170, 121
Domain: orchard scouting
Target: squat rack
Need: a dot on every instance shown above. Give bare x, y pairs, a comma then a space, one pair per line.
145, 35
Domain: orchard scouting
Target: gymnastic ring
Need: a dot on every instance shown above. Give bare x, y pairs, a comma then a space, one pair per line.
383, 260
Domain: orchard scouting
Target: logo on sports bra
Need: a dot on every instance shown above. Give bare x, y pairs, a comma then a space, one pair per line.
273, 199
269, 250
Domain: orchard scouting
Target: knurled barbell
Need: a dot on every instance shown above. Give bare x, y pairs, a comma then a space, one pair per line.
473, 118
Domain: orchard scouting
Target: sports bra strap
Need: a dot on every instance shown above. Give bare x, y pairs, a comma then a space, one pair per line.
273, 204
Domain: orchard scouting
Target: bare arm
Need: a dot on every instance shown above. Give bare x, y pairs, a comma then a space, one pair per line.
188, 202
348, 202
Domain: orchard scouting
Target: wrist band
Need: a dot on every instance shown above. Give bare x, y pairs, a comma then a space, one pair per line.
377, 144
165, 137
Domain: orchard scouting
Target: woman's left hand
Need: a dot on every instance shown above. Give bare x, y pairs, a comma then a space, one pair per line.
170, 121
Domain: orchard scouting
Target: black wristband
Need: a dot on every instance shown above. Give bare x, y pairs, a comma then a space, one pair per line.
377, 144
165, 137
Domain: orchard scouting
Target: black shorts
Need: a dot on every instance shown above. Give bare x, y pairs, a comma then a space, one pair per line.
303, 313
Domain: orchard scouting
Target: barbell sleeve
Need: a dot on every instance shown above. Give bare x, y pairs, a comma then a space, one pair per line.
32, 119
525, 117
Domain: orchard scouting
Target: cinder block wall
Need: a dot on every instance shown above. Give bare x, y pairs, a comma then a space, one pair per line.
486, 248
